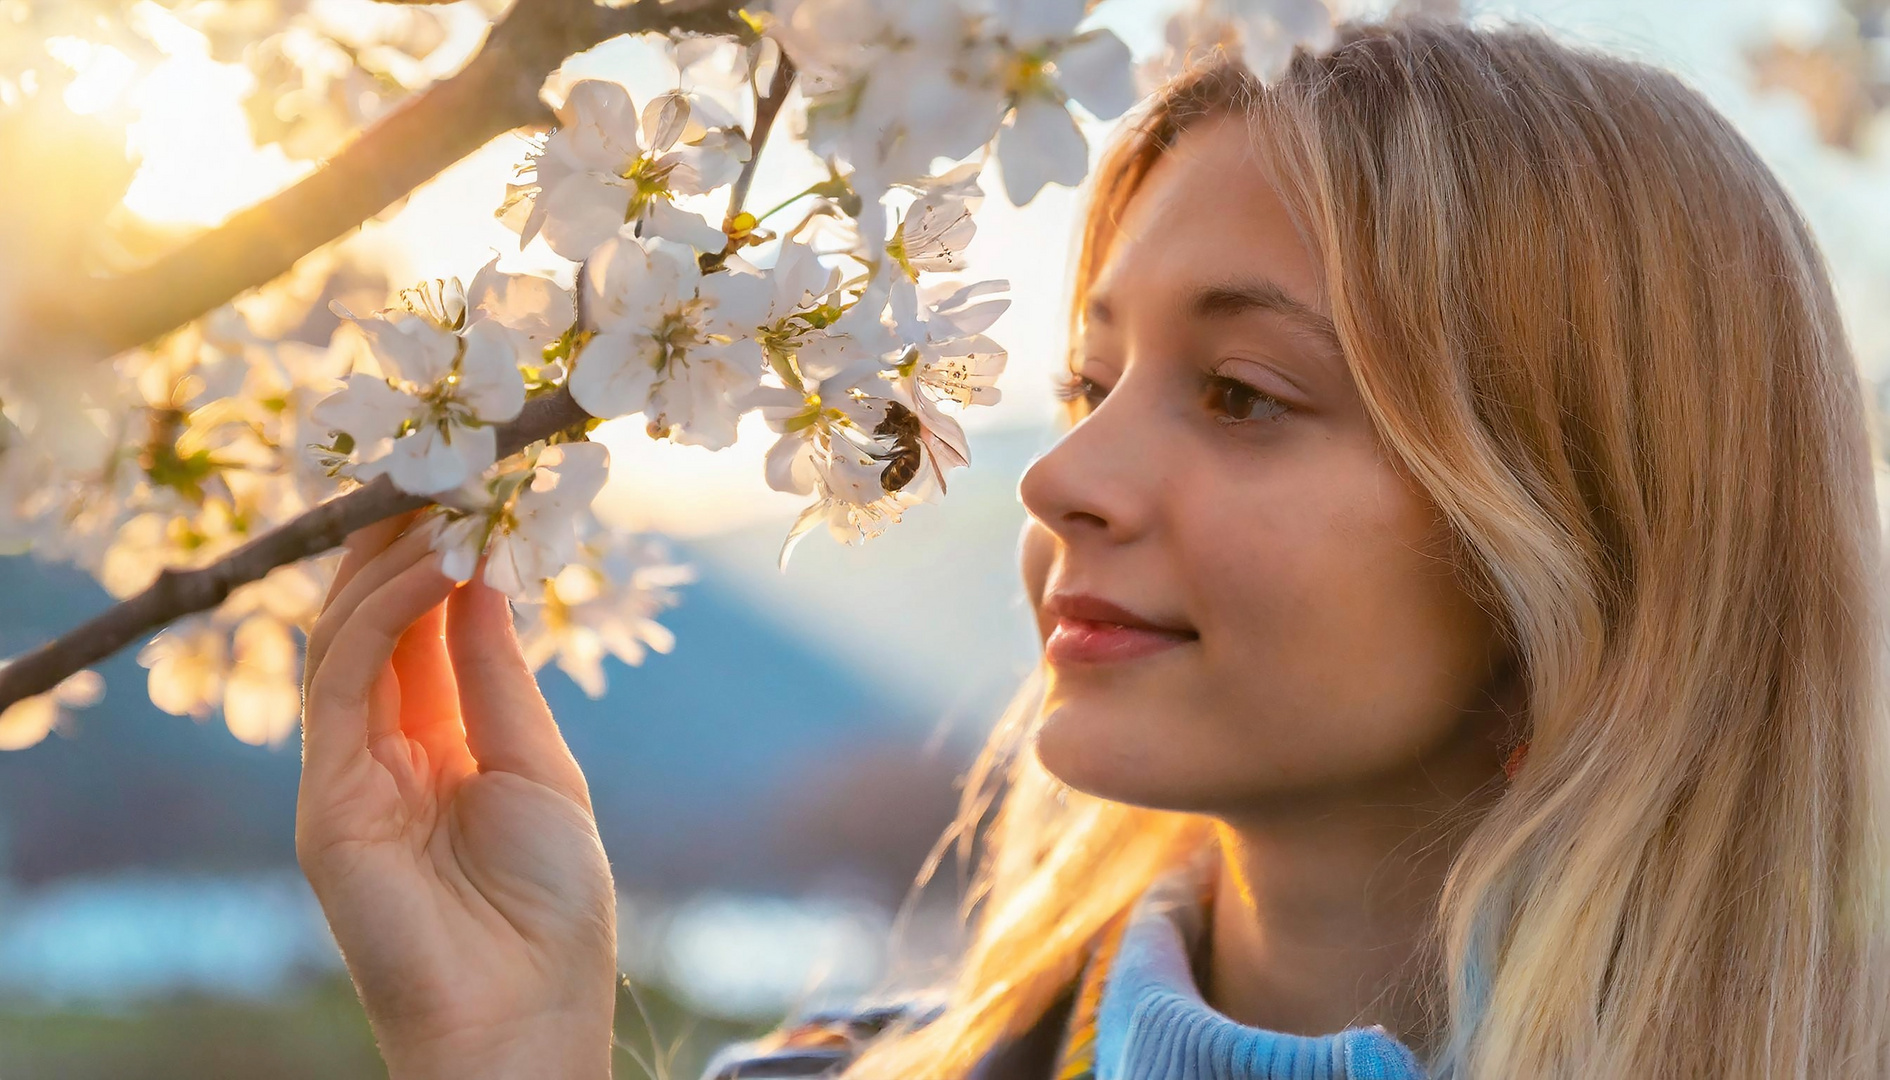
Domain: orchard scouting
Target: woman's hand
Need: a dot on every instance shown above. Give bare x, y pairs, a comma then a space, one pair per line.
446, 828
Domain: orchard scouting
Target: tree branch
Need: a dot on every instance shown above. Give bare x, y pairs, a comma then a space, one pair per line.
177, 593
495, 92
767, 108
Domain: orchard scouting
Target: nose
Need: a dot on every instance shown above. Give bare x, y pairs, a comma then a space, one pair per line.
1094, 485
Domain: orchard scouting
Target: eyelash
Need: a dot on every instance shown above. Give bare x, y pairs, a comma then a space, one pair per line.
1071, 387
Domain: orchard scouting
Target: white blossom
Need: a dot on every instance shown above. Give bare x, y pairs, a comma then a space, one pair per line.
189, 661
1041, 63
606, 166
604, 603
890, 83
29, 720
428, 423
937, 227
670, 341
1262, 33
524, 521
812, 422
535, 311
241, 659
847, 521
949, 358
262, 697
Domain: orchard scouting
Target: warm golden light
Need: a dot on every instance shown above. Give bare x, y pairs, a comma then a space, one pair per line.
197, 160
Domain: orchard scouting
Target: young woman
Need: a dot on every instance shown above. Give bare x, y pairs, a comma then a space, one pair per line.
1459, 395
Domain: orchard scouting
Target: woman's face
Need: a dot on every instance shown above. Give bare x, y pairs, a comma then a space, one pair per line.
1227, 488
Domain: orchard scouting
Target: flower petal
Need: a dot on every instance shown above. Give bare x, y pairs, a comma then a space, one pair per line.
538, 308
1095, 70
665, 116
629, 283
567, 480
712, 163
458, 542
411, 348
366, 408
664, 220
426, 461
582, 211
1041, 146
615, 373
489, 380
599, 122
790, 465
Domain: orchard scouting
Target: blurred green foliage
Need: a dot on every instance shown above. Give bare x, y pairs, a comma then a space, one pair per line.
319, 1033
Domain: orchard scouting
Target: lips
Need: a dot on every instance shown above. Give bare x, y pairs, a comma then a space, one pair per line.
1091, 630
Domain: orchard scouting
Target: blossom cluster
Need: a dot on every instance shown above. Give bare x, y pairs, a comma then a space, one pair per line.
841, 316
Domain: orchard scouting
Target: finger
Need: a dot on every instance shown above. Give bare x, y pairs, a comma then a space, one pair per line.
363, 544
403, 552
429, 696
508, 725
403, 758
335, 723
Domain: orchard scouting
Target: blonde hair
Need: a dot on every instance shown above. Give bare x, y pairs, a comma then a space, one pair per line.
1585, 317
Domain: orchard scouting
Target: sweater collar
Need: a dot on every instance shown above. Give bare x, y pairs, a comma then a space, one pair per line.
1153, 1024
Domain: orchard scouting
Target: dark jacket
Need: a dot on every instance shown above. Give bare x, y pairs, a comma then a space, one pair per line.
823, 1043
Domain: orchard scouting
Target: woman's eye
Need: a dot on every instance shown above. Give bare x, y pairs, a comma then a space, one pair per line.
1073, 387
1235, 401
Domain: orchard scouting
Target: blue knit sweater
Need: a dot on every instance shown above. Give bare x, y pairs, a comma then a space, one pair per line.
1152, 1023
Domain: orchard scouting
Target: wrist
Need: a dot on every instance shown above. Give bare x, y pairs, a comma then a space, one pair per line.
564, 1048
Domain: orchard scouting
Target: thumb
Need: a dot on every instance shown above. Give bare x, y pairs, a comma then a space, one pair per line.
509, 728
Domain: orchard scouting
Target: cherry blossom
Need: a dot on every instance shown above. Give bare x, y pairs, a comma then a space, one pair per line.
1263, 33
669, 341
937, 227
242, 659
850, 522
810, 421
1040, 63
427, 422
26, 722
534, 311
524, 520
949, 359
604, 603
889, 83
604, 166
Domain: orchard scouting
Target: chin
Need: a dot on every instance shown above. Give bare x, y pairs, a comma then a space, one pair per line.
1104, 751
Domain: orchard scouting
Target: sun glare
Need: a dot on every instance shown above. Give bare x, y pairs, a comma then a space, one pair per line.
197, 160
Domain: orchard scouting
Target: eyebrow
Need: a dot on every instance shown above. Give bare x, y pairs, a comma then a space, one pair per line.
1222, 300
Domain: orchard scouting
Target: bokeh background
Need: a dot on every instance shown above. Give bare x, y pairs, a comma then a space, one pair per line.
768, 790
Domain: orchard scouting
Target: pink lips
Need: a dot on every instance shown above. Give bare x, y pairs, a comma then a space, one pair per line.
1090, 630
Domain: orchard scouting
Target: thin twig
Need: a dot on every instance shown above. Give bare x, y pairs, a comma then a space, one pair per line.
767, 107
496, 92
177, 593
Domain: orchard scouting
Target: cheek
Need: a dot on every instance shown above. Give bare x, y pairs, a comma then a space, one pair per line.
1333, 630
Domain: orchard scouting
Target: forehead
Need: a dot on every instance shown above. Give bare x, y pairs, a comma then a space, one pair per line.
1206, 213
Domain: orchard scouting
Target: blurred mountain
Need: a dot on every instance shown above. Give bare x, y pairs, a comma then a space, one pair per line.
808, 725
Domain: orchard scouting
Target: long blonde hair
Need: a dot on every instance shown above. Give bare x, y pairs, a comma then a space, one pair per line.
1587, 319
